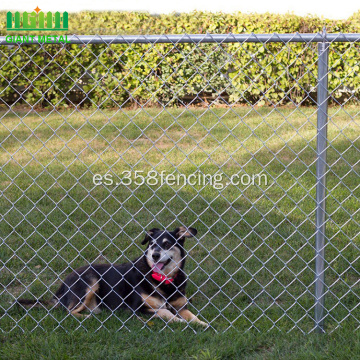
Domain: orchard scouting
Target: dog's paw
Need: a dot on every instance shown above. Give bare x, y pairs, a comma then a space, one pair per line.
202, 323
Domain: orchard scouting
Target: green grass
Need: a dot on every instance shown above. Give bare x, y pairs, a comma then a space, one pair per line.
142, 344
54, 218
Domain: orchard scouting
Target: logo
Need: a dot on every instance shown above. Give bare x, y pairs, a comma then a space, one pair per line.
36, 21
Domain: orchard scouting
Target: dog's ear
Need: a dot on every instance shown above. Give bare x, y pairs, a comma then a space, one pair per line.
183, 232
148, 235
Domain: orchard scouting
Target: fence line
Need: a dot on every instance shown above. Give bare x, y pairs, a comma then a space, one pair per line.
252, 284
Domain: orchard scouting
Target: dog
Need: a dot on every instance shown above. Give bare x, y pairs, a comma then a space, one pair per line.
153, 283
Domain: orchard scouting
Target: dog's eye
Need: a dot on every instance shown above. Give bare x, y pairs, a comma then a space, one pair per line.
166, 245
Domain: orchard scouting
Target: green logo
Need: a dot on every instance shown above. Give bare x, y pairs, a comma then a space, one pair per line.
36, 21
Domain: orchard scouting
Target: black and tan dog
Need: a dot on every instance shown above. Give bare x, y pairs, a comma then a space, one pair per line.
153, 283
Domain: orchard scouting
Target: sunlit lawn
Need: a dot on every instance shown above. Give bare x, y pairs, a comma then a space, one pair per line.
251, 265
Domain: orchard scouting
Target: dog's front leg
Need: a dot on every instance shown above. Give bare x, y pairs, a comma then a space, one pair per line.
189, 316
180, 307
156, 306
166, 315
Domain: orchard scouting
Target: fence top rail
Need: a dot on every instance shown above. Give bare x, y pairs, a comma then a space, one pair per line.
189, 38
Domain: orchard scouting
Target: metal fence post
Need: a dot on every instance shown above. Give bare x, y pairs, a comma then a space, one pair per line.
322, 118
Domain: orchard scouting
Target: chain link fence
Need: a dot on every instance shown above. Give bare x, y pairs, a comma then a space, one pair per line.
105, 137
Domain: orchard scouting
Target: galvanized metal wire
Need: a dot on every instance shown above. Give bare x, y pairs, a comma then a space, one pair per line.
266, 257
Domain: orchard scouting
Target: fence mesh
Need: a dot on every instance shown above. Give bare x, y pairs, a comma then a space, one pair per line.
224, 132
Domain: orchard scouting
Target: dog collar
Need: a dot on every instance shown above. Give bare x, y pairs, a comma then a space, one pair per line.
162, 278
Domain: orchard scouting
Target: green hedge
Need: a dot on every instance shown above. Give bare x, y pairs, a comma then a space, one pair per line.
108, 76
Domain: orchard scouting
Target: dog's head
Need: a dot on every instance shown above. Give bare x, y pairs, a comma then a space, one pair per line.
165, 253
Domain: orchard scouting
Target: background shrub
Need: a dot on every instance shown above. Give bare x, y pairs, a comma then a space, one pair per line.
162, 74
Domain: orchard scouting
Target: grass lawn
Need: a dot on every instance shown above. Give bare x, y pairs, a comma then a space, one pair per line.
251, 265
342, 344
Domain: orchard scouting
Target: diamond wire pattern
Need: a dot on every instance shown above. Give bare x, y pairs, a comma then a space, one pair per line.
255, 271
